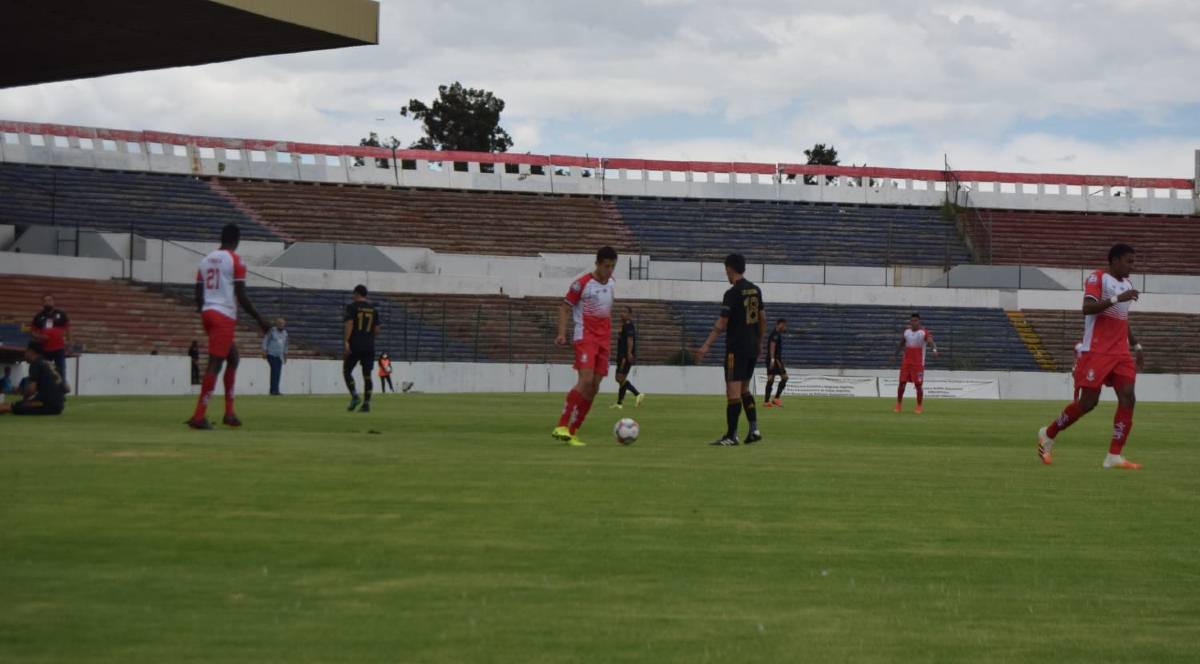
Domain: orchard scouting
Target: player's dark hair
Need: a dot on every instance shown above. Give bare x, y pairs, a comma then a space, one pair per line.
781, 320
230, 234
360, 290
606, 253
915, 315
35, 347
1118, 250
736, 262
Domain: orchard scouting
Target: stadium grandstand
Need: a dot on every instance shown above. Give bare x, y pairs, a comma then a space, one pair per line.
460, 245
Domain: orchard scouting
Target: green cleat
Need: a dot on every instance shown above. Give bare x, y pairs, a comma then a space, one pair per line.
574, 441
561, 433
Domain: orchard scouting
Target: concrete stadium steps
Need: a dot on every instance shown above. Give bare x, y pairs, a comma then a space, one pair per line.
1172, 341
1032, 341
1165, 245
114, 316
314, 322
175, 207
866, 337
473, 222
792, 233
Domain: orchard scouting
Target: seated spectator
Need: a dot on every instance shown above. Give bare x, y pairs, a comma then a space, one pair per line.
6, 385
43, 391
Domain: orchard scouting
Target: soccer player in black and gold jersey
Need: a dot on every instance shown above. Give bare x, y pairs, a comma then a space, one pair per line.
775, 365
743, 320
360, 326
627, 349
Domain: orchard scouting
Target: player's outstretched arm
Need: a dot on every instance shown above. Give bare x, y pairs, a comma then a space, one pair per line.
239, 289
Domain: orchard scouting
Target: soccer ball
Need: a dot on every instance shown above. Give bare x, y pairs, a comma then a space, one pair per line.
626, 431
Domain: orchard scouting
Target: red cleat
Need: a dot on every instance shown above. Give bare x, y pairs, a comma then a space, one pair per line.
919, 410
768, 404
896, 409
778, 403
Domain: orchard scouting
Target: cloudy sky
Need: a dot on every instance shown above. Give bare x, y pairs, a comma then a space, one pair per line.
1104, 86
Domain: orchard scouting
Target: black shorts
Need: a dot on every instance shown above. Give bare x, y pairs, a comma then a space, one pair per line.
363, 356
35, 408
624, 366
776, 369
739, 366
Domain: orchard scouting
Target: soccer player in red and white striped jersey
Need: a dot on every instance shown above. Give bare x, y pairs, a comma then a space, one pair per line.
1103, 357
588, 303
912, 369
220, 288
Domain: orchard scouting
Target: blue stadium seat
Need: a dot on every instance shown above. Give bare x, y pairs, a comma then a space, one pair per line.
175, 207
865, 337
792, 233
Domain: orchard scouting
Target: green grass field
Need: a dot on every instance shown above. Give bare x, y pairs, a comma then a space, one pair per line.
454, 529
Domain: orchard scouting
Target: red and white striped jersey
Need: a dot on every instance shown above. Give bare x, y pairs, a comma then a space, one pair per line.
1108, 331
591, 306
217, 273
914, 345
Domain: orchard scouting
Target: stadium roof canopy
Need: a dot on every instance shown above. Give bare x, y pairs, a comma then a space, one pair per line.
56, 40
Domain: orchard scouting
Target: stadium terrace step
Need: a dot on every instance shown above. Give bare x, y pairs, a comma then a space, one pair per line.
445, 221
173, 207
113, 316
1031, 340
1172, 341
1165, 244
792, 233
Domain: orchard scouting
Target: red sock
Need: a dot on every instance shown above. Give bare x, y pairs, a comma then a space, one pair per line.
900, 393
584, 406
206, 389
569, 407
1122, 425
1069, 415
230, 376
920, 395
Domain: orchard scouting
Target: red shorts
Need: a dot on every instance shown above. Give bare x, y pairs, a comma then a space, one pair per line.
591, 355
220, 329
1095, 370
911, 373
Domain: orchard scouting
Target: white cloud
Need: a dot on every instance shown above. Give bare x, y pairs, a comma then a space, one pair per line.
889, 83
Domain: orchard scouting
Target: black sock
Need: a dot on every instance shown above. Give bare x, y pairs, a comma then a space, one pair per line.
367, 387
732, 410
632, 388
350, 386
770, 384
621, 392
751, 411
780, 390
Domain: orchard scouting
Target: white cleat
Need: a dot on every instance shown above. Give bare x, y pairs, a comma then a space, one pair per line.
640, 398
1045, 447
1119, 462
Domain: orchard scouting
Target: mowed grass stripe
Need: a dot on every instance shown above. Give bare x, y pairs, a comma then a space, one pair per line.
452, 528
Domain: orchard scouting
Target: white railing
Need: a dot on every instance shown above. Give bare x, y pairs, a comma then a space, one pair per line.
89, 147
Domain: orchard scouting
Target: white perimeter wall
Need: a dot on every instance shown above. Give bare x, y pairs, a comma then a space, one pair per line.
180, 271
94, 375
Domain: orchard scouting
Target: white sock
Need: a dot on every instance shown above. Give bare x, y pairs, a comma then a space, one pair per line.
1113, 459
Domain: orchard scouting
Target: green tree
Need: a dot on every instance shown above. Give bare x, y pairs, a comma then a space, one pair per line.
375, 142
821, 155
460, 119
